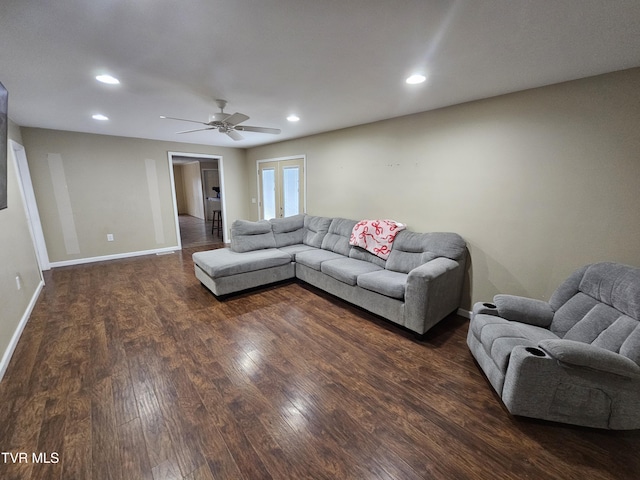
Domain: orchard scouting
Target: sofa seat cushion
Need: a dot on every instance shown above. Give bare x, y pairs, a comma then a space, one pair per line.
293, 250
224, 262
499, 336
347, 270
314, 258
385, 282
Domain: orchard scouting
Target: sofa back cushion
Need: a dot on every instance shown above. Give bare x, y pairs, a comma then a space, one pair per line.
604, 309
288, 231
615, 285
247, 236
411, 249
315, 229
361, 254
337, 238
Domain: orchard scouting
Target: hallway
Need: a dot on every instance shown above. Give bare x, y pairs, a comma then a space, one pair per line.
195, 232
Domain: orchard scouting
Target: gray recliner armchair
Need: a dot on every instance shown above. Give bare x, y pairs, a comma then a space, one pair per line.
575, 359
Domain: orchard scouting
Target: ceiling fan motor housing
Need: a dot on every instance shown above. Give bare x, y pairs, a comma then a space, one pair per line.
218, 116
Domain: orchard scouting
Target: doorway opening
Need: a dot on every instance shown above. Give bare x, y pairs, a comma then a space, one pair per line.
198, 197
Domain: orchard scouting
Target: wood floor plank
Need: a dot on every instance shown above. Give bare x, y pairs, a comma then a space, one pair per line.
202, 473
131, 369
124, 398
133, 456
219, 460
50, 449
76, 460
27, 352
28, 415
105, 446
157, 439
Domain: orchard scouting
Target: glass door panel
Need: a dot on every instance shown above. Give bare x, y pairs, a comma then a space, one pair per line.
268, 203
291, 190
281, 188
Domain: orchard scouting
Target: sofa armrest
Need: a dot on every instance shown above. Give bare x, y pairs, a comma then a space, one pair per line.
484, 308
524, 310
432, 292
589, 356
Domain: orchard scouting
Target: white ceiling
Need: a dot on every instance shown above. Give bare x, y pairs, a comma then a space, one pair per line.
334, 63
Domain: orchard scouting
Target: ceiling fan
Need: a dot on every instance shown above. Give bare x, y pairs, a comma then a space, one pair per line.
226, 123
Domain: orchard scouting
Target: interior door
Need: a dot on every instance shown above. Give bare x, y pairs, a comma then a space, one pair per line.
281, 186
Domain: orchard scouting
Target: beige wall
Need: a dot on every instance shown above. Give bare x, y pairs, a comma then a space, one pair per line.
114, 185
17, 258
538, 182
193, 189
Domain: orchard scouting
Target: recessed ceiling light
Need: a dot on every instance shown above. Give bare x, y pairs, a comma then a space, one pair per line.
416, 79
99, 116
108, 79
293, 118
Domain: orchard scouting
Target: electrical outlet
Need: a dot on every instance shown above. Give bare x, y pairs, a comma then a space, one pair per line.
109, 237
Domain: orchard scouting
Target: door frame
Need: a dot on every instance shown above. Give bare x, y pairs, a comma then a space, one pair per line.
279, 159
30, 205
223, 205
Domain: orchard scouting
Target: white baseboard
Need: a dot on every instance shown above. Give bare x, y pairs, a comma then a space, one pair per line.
464, 313
8, 353
80, 261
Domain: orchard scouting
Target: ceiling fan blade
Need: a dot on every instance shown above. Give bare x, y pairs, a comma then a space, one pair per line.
197, 130
247, 128
236, 118
183, 120
233, 134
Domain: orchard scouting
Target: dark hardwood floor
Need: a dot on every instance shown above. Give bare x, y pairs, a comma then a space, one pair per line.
131, 369
196, 232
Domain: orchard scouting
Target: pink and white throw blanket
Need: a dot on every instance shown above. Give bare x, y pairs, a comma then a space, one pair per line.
376, 236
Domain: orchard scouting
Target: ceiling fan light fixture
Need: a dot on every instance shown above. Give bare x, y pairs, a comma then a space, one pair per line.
416, 79
293, 118
108, 79
218, 116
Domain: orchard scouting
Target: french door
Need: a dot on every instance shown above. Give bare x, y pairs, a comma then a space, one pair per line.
281, 186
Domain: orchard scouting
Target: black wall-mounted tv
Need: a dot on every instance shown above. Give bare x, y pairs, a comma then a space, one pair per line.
3, 145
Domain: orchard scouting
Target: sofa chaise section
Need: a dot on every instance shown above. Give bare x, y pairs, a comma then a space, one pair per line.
253, 259
224, 271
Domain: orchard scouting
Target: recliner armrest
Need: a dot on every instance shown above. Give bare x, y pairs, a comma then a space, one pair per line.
524, 310
589, 356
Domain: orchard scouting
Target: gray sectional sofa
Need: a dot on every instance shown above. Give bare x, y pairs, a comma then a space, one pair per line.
418, 285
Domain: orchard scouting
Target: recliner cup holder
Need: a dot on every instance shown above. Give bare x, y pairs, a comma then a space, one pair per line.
535, 351
489, 305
